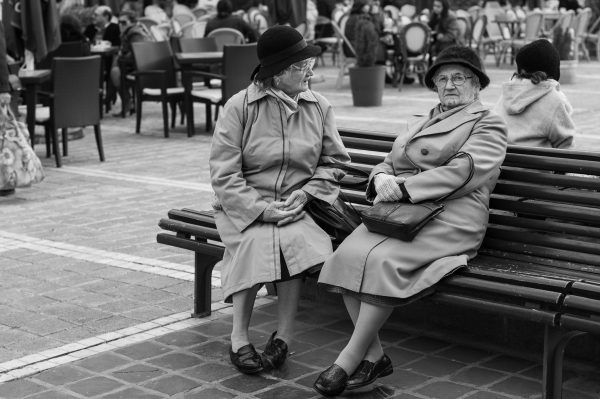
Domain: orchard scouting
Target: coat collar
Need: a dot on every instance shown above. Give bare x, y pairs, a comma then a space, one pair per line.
255, 94
470, 112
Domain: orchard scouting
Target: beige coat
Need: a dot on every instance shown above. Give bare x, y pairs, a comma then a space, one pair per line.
263, 159
376, 264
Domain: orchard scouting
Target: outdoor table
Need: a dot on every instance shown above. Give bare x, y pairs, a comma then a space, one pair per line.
106, 54
31, 80
186, 62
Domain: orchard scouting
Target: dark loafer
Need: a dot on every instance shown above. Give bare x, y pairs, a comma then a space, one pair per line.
367, 372
246, 360
332, 381
275, 353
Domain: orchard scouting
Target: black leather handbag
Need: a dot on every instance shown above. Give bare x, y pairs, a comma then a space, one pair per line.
401, 220
339, 219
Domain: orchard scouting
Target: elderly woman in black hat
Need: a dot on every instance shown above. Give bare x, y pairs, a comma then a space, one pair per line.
454, 153
537, 113
272, 151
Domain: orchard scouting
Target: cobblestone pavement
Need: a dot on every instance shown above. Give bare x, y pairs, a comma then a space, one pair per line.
91, 306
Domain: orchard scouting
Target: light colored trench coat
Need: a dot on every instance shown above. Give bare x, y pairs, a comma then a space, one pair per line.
379, 265
263, 159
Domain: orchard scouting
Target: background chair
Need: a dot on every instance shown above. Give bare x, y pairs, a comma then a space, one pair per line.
476, 37
226, 36
155, 80
329, 44
464, 30
345, 60
533, 29
198, 44
147, 22
414, 46
593, 37
161, 32
580, 29
183, 19
74, 102
238, 63
193, 29
200, 12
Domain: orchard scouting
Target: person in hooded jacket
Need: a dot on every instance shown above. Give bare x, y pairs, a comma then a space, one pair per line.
536, 112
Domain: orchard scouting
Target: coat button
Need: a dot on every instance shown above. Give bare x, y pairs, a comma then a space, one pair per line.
424, 151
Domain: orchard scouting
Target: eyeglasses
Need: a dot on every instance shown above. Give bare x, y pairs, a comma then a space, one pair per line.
304, 66
457, 80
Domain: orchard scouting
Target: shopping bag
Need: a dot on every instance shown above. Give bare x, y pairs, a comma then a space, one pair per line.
19, 166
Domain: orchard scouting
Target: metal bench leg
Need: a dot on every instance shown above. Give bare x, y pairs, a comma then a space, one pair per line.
555, 341
203, 265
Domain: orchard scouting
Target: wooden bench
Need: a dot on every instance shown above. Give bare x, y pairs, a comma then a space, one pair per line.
539, 262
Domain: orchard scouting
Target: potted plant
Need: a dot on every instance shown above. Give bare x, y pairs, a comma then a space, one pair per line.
366, 79
563, 42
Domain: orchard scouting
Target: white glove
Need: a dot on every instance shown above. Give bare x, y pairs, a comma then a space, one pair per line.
297, 199
277, 212
387, 188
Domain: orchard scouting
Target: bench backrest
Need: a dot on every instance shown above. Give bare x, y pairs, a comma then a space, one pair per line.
544, 211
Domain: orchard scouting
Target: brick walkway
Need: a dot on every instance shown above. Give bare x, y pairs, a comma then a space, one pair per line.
82, 278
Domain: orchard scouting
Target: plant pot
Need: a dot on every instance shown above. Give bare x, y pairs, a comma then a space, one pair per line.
568, 71
367, 85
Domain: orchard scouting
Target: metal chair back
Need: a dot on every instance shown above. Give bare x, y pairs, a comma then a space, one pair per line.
152, 56
463, 30
226, 36
415, 38
238, 63
198, 44
194, 29
533, 26
76, 99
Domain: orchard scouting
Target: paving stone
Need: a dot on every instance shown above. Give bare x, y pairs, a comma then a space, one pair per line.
403, 379
137, 373
321, 336
401, 356
286, 392
102, 362
46, 325
212, 350
121, 305
405, 396
423, 344
176, 361
181, 339
464, 354
131, 393
74, 313
486, 395
62, 375
319, 358
214, 329
478, 376
53, 395
94, 386
147, 313
209, 393
444, 390
517, 386
19, 389
172, 384
435, 366
143, 350
248, 383
507, 363
211, 372
291, 370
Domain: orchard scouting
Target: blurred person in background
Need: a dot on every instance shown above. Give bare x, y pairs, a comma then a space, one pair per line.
444, 27
225, 19
103, 29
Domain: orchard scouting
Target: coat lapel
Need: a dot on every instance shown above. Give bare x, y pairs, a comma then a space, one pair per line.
466, 114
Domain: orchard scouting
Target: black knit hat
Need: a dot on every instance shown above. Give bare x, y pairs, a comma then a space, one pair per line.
458, 55
539, 55
278, 48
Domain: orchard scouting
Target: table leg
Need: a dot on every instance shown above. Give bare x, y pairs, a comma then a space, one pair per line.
30, 101
186, 78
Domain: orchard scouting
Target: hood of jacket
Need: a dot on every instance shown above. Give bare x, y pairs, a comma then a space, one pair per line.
518, 94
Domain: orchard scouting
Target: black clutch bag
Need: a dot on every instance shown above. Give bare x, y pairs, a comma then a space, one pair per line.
338, 219
401, 220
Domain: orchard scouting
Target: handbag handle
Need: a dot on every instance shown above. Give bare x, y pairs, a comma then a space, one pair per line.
361, 174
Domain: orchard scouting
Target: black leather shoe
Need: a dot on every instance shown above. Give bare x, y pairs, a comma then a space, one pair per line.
246, 360
332, 381
275, 353
367, 372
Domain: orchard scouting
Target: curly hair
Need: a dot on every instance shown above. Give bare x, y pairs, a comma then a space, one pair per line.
535, 77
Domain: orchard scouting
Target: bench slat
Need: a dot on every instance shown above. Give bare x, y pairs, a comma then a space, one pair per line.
571, 154
532, 314
581, 303
588, 289
541, 252
510, 290
580, 323
578, 213
548, 193
545, 225
202, 232
545, 240
551, 179
196, 246
202, 218
552, 163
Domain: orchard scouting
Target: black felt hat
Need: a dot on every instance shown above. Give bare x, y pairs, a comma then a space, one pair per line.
539, 55
458, 55
278, 48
